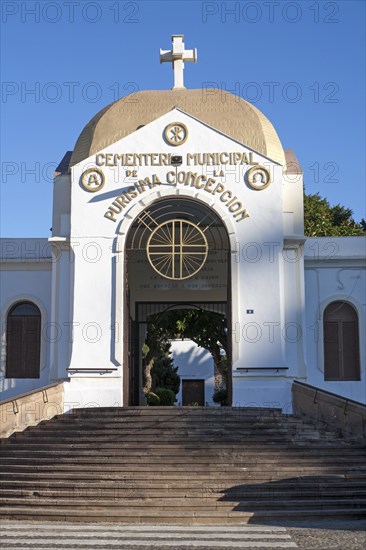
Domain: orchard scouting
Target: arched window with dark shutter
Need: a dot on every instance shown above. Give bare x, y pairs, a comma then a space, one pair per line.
341, 342
23, 341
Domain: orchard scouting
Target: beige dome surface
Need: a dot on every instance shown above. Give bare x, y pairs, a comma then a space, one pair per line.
223, 111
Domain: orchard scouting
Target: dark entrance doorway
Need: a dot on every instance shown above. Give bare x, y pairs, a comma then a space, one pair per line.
177, 257
193, 392
147, 312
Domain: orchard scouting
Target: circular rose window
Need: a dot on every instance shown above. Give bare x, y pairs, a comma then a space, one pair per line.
177, 249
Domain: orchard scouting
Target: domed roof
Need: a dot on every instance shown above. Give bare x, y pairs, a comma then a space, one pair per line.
221, 110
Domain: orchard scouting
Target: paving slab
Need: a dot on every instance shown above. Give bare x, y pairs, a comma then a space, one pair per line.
304, 535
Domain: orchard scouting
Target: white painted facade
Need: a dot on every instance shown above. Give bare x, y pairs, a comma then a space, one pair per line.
194, 363
334, 270
279, 285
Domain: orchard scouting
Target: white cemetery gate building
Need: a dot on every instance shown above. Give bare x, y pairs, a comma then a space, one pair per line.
181, 199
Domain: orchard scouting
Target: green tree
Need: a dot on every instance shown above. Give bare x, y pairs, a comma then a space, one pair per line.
323, 220
156, 343
164, 374
205, 328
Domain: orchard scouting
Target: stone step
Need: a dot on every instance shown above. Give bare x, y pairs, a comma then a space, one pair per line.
316, 449
301, 483
156, 517
181, 427
200, 492
122, 463
217, 458
180, 465
218, 446
170, 503
174, 479
158, 439
195, 427
168, 432
228, 424
188, 494
204, 482
140, 411
167, 429
192, 466
239, 456
171, 441
158, 418
77, 462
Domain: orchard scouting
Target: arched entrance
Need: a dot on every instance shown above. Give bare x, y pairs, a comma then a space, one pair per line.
177, 257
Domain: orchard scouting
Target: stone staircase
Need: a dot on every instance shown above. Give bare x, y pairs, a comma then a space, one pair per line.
180, 465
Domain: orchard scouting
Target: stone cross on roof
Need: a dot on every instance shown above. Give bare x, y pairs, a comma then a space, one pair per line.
177, 56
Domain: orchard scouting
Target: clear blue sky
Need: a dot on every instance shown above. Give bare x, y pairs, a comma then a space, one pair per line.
302, 63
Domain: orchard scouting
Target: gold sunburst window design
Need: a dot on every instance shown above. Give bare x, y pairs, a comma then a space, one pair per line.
177, 249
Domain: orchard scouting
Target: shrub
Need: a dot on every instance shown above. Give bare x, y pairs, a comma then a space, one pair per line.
220, 396
152, 399
167, 397
163, 373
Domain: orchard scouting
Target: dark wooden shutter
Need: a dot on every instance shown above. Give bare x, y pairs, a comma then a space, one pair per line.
23, 341
341, 342
32, 348
332, 364
14, 349
350, 358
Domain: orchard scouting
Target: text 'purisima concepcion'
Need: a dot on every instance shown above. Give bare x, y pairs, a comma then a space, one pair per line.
191, 179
